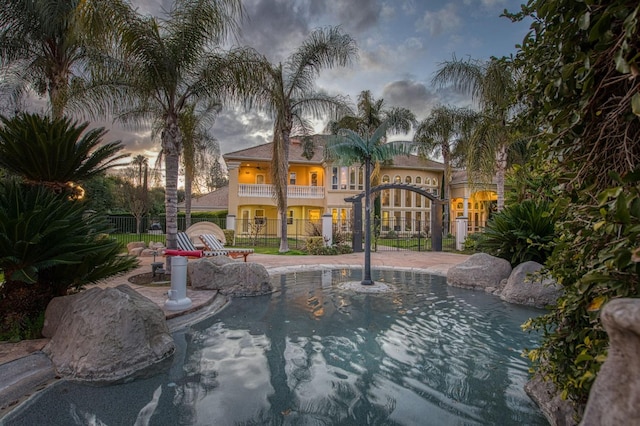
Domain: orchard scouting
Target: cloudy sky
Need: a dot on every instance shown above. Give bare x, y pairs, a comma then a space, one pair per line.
400, 42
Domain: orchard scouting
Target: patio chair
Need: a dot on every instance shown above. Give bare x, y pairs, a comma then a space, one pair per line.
213, 244
186, 247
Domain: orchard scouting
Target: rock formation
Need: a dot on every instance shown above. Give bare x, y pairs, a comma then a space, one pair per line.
525, 288
230, 278
105, 334
480, 271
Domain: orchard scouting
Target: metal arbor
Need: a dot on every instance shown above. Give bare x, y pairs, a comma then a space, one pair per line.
436, 214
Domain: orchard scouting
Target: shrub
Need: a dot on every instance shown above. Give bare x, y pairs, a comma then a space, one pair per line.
229, 236
520, 233
596, 259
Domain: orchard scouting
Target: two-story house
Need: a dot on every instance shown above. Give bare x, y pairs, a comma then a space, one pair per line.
316, 188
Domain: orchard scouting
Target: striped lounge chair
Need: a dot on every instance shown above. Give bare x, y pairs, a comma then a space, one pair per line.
186, 247
213, 244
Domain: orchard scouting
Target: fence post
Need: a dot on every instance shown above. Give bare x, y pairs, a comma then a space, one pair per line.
327, 229
461, 232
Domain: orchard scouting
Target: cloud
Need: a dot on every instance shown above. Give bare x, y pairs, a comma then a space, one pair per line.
440, 22
238, 129
409, 94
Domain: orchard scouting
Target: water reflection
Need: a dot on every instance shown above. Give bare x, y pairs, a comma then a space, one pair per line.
314, 354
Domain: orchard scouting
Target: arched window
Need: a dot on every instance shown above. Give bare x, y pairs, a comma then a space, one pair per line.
435, 181
397, 179
407, 179
385, 179
418, 180
427, 181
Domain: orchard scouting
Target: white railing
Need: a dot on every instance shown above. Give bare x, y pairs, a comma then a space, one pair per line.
293, 191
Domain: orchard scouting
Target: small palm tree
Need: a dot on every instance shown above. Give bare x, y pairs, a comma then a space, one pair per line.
57, 153
289, 96
441, 133
349, 147
492, 85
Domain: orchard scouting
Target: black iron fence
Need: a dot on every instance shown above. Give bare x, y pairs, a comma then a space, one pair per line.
394, 234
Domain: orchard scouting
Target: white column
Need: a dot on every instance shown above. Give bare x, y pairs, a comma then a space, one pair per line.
327, 229
178, 300
465, 207
461, 232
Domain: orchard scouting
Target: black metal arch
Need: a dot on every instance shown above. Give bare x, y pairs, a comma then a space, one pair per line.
436, 214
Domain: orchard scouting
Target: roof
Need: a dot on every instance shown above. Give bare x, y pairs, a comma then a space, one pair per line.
216, 200
264, 153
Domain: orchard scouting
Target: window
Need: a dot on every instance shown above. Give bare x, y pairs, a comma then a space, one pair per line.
427, 181
290, 217
259, 179
435, 181
334, 178
314, 179
360, 178
385, 179
408, 198
418, 200
343, 177
397, 193
418, 180
352, 178
397, 179
292, 178
259, 218
385, 197
407, 180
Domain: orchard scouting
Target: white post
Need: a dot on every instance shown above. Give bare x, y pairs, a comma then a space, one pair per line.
231, 224
327, 230
178, 300
461, 232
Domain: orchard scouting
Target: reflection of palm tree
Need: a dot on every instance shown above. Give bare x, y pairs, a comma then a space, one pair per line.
349, 147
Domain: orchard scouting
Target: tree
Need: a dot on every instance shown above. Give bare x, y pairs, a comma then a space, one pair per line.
441, 133
49, 241
349, 147
492, 85
216, 178
48, 43
581, 67
160, 67
289, 96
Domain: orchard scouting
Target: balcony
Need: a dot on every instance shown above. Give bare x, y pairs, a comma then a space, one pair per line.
293, 191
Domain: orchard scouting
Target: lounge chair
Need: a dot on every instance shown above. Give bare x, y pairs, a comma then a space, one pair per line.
213, 244
186, 247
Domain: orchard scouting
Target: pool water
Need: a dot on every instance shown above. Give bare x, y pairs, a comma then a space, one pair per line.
313, 353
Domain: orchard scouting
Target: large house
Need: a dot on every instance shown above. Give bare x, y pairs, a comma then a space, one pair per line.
317, 188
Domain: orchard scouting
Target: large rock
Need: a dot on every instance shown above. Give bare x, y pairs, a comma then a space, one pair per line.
615, 396
479, 271
228, 277
106, 334
526, 288
558, 411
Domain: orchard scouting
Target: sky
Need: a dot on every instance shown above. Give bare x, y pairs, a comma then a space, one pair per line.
401, 43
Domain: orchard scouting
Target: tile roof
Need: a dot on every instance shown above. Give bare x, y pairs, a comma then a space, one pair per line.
263, 153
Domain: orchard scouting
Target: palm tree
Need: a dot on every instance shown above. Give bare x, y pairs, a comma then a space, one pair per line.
289, 95
349, 147
492, 85
440, 134
196, 145
46, 43
163, 66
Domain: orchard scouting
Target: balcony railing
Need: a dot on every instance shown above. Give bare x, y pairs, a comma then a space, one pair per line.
293, 191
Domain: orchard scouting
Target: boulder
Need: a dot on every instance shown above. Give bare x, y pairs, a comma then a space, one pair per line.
106, 334
228, 277
153, 245
524, 287
148, 253
615, 395
558, 411
136, 244
479, 271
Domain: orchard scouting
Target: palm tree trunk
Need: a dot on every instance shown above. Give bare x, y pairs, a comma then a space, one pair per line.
501, 169
171, 141
367, 224
187, 200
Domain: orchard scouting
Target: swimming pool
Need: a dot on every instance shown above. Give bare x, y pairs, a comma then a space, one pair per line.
316, 353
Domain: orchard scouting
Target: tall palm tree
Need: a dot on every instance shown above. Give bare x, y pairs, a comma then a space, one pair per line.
349, 147
47, 43
196, 145
163, 66
492, 85
289, 96
140, 161
440, 134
